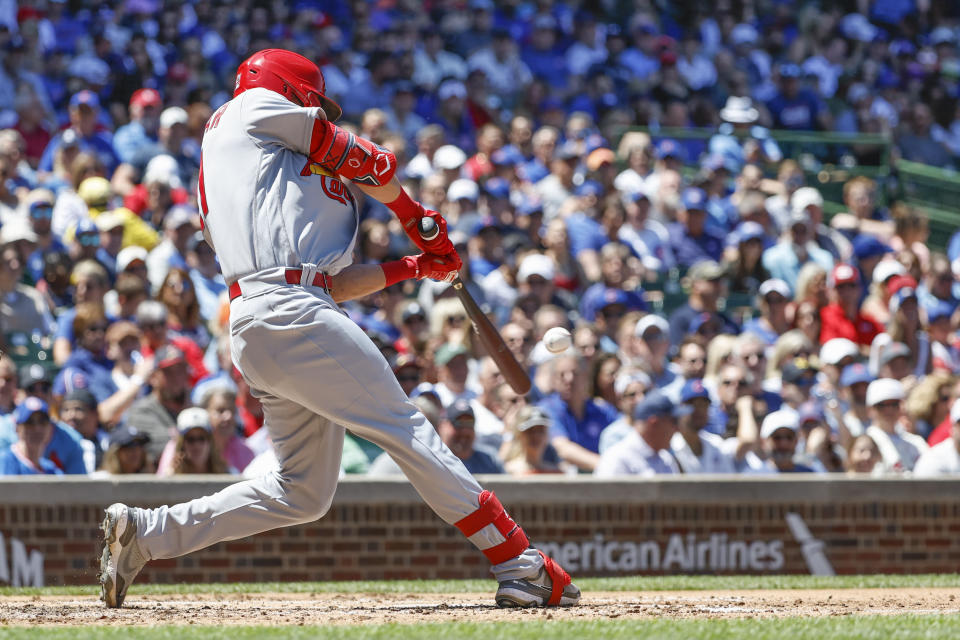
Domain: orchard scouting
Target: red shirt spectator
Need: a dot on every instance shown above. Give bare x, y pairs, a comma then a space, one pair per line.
843, 318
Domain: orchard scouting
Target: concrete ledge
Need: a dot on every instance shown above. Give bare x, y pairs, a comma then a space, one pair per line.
577, 490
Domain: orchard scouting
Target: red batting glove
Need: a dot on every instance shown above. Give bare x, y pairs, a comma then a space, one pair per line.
409, 212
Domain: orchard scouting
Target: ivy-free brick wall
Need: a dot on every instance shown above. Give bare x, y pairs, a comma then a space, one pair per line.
381, 529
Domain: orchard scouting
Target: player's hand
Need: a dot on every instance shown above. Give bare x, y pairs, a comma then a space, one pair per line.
439, 246
442, 268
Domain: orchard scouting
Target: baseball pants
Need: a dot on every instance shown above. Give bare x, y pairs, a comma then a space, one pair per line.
316, 373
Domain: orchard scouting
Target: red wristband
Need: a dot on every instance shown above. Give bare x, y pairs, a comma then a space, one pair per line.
406, 209
398, 270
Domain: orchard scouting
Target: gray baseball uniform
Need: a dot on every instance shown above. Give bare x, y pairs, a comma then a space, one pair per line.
265, 210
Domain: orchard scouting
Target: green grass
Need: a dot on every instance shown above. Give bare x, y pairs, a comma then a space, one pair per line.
837, 628
645, 583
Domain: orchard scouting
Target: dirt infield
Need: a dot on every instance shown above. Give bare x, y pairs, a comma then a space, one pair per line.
357, 608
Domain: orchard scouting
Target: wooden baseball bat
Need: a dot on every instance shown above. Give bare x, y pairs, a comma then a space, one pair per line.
513, 373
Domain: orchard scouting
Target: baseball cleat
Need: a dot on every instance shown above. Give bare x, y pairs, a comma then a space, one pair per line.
535, 592
121, 559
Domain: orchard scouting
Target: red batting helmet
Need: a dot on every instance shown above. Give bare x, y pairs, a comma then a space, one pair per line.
289, 74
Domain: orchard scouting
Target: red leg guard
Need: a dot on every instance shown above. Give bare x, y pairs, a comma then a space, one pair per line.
492, 512
559, 577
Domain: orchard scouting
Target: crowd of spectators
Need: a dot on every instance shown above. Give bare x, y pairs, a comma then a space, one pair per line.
722, 322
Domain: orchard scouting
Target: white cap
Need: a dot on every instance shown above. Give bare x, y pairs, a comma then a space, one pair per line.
886, 269
451, 89
177, 217
836, 349
193, 418
624, 380
172, 116
775, 285
128, 255
955, 411
884, 389
17, 228
536, 264
463, 189
786, 418
449, 157
649, 321
805, 197
163, 169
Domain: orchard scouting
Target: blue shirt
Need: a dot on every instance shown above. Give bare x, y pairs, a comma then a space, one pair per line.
585, 233
585, 431
134, 146
64, 450
12, 465
97, 144
689, 250
83, 370
483, 461
799, 112
35, 259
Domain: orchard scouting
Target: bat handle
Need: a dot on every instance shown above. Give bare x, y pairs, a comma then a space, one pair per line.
428, 228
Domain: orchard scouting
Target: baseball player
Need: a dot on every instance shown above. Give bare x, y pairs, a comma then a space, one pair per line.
274, 207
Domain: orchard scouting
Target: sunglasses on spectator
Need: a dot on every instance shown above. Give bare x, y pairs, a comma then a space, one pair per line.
409, 377
779, 437
413, 319
41, 212
97, 328
888, 404
455, 319
195, 439
89, 240
738, 383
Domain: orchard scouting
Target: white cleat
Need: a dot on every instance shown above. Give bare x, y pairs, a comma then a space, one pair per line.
534, 592
121, 559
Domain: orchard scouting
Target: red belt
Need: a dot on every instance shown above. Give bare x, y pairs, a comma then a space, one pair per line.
292, 276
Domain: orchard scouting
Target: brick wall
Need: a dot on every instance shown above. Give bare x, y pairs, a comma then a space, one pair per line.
378, 530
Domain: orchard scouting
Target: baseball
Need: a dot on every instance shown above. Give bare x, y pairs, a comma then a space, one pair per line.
557, 339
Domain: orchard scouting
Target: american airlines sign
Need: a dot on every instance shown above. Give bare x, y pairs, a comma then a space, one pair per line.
689, 553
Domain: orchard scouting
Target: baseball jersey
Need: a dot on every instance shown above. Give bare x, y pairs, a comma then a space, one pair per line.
262, 202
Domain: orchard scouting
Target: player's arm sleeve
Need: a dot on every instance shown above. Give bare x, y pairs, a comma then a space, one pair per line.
357, 159
271, 119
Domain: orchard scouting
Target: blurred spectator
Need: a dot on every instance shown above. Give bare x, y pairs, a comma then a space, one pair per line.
530, 452
172, 250
842, 318
796, 248
183, 309
84, 110
942, 458
646, 450
697, 450
863, 456
155, 414
928, 402
779, 436
136, 142
26, 455
576, 420
452, 370
78, 409
899, 448
127, 453
457, 430
706, 288
220, 403
690, 239
194, 450
23, 309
